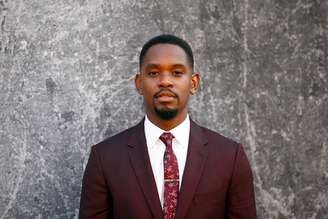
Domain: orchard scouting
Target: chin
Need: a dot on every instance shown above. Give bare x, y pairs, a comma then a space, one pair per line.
166, 114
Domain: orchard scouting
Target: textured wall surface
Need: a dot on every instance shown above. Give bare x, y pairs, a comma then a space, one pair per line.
66, 83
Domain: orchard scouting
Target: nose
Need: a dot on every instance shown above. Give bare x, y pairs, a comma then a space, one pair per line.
165, 80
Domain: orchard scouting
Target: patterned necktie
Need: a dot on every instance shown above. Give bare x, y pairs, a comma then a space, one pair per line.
171, 177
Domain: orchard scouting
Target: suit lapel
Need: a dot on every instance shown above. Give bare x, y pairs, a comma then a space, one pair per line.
196, 158
140, 162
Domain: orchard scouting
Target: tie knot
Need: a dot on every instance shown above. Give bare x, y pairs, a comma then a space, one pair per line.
166, 138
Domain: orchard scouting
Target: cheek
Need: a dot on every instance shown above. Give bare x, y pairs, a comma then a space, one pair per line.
148, 93
184, 96
185, 90
149, 84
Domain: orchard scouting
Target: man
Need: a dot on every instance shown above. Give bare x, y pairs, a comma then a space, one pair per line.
167, 166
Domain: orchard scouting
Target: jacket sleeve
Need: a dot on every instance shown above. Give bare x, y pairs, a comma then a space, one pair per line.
241, 199
95, 200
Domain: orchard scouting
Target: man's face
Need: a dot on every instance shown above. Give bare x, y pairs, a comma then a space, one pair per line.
166, 80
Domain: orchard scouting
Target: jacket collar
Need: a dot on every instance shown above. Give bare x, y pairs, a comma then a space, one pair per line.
196, 157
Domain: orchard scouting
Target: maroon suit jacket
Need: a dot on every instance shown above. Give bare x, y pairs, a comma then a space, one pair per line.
118, 181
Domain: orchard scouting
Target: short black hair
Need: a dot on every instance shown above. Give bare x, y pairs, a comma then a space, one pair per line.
167, 39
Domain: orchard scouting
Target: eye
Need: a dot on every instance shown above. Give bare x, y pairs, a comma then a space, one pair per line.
153, 73
177, 73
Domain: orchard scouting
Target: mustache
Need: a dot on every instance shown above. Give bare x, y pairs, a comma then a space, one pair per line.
166, 91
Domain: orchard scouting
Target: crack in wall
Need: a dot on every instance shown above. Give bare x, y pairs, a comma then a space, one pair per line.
21, 158
267, 199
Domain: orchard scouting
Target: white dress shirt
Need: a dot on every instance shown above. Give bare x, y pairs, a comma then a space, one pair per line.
156, 149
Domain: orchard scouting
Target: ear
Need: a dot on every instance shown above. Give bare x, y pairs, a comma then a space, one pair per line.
195, 80
137, 82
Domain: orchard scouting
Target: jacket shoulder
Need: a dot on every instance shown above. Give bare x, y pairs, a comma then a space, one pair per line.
214, 135
218, 140
115, 141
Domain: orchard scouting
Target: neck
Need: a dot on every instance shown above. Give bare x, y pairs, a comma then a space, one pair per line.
167, 124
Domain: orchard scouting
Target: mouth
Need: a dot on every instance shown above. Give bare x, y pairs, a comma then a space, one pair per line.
165, 96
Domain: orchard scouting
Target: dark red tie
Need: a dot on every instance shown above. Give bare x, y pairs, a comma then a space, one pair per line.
171, 177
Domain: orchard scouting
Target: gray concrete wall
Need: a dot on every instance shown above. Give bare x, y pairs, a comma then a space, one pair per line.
66, 83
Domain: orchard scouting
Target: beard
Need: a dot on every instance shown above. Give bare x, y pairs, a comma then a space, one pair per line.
166, 114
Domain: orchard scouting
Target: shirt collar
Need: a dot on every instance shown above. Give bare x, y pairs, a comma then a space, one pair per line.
180, 132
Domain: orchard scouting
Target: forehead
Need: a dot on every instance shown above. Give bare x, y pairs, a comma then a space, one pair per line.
165, 53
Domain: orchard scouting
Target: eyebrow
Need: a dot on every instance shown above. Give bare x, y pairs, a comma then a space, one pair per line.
153, 65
